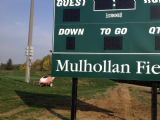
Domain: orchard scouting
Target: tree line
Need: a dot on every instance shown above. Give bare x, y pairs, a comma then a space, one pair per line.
38, 65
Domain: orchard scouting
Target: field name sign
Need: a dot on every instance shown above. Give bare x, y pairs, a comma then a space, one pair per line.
115, 39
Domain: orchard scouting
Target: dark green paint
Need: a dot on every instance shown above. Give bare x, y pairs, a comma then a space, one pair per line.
137, 40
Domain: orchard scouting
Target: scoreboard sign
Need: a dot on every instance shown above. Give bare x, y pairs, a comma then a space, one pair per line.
115, 39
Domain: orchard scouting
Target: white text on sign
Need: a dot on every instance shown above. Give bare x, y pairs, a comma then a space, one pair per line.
118, 31
143, 67
151, 1
69, 31
66, 3
154, 30
114, 15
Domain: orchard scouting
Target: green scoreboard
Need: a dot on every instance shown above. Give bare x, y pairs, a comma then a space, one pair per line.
115, 39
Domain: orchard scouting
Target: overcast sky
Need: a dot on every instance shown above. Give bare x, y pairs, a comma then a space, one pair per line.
14, 27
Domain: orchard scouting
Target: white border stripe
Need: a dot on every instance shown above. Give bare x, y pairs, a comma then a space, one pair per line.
111, 23
81, 53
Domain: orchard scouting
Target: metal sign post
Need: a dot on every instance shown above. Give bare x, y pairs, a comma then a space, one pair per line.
74, 98
154, 101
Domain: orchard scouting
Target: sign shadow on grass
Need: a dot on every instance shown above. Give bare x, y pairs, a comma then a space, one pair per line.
54, 101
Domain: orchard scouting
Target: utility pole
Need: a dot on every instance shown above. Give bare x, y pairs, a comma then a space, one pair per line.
28, 62
0, 62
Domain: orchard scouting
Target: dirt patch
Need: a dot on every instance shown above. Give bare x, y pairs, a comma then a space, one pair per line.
118, 105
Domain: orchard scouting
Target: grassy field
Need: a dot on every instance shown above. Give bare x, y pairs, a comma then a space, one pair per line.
15, 94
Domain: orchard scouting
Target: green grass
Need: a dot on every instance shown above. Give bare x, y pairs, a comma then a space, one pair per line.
143, 98
15, 92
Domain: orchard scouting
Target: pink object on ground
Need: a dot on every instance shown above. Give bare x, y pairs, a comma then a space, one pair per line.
45, 81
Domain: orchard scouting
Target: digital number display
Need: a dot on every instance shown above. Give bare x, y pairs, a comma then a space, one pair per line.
109, 4
155, 12
70, 43
157, 42
103, 4
71, 15
124, 4
113, 43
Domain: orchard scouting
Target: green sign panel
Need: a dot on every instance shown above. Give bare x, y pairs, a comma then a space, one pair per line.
115, 39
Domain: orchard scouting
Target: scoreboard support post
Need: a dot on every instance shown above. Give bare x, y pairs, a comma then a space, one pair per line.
74, 98
154, 101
